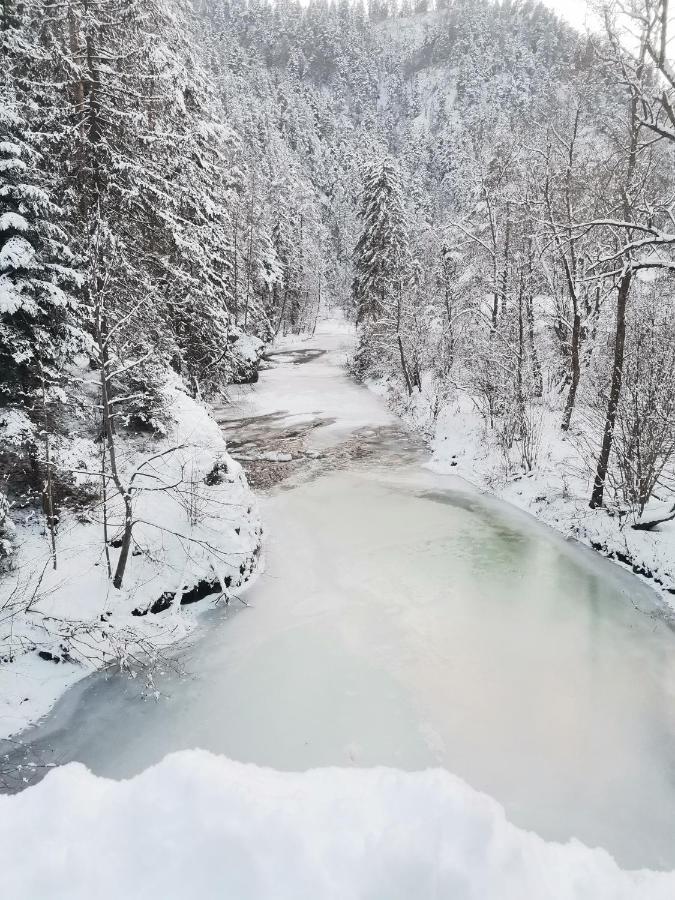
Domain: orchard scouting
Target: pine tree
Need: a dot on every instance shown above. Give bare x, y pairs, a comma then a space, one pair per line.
37, 280
380, 252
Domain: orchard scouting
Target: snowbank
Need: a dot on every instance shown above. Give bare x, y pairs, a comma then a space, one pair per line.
196, 530
201, 826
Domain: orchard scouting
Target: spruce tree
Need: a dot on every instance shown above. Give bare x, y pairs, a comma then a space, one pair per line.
37, 280
380, 252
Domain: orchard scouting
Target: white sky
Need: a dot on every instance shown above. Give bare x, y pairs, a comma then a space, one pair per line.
575, 11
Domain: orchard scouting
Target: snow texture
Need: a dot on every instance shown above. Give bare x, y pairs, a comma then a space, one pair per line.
201, 826
10, 221
17, 253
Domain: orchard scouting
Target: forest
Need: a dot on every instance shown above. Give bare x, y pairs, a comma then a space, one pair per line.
486, 192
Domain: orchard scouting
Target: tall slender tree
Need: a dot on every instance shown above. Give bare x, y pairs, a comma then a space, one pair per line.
380, 255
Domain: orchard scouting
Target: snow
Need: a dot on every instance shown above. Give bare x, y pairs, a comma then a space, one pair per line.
13, 221
17, 253
9, 147
12, 165
15, 426
11, 297
657, 511
191, 531
56, 296
248, 347
201, 826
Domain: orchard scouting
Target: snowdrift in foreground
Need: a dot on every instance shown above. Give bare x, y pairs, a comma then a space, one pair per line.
201, 826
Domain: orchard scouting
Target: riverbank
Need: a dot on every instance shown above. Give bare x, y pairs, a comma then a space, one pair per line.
196, 538
555, 491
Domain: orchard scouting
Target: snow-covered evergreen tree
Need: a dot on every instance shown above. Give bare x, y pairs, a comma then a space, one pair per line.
380, 255
38, 282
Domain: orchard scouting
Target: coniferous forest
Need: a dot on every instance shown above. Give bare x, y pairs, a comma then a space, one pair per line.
486, 191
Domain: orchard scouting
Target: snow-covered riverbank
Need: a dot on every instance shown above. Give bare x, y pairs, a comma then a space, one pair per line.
555, 491
196, 530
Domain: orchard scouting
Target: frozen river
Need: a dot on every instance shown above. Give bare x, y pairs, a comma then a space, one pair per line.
403, 619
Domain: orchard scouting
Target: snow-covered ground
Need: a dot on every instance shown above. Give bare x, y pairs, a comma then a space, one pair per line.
201, 826
195, 521
556, 491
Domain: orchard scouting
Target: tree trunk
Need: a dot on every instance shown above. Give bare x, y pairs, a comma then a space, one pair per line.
248, 275
405, 367
507, 253
597, 497
576, 367
249, 262
318, 307
283, 310
495, 310
48, 488
104, 499
521, 352
399, 314
236, 273
109, 438
451, 329
417, 375
78, 89
126, 541
537, 377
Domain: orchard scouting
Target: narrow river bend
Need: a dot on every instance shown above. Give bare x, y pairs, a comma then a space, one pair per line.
405, 620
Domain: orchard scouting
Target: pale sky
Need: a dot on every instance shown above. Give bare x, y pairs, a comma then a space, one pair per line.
575, 11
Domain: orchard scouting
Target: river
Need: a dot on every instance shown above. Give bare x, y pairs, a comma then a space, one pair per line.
405, 619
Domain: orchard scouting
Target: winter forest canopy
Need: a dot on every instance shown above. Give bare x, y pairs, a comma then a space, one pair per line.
487, 192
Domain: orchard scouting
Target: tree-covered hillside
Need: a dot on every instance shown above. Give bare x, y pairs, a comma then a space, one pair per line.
488, 193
